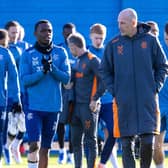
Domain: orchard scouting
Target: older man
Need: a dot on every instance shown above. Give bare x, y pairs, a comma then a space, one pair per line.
134, 70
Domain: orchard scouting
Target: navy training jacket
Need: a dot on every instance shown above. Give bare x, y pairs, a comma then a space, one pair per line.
134, 70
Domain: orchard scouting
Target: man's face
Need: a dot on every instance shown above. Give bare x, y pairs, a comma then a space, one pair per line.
4, 42
73, 48
125, 25
154, 30
97, 40
44, 34
67, 32
13, 33
166, 38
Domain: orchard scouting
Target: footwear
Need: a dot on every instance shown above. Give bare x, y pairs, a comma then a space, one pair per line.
21, 122
101, 165
70, 158
7, 156
137, 152
137, 147
12, 124
62, 156
16, 155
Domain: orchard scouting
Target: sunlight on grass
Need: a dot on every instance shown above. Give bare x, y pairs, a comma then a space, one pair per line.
53, 163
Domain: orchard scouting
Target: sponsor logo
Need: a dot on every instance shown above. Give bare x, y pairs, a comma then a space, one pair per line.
35, 61
1, 57
79, 75
87, 124
144, 44
30, 116
120, 50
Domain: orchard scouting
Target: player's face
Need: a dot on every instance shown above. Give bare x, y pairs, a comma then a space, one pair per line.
125, 24
44, 34
4, 42
13, 33
166, 38
154, 30
97, 40
67, 32
73, 48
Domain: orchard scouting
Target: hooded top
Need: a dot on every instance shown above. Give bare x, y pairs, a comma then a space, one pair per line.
134, 70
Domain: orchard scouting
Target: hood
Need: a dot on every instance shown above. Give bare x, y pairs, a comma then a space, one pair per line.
143, 28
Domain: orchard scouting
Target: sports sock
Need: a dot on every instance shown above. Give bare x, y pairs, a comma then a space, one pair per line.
160, 166
32, 165
113, 158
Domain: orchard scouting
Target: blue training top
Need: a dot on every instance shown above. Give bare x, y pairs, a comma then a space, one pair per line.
163, 95
8, 66
71, 58
44, 90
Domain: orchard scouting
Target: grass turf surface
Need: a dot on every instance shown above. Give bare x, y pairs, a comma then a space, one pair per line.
53, 163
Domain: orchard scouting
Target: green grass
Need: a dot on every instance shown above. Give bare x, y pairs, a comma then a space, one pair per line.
53, 163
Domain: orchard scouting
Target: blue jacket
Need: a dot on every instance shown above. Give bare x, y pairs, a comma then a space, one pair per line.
16, 49
8, 67
71, 58
67, 94
44, 90
134, 70
23, 45
16, 52
163, 95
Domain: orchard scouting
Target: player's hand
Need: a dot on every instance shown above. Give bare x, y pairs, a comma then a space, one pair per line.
16, 107
47, 65
94, 106
69, 85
